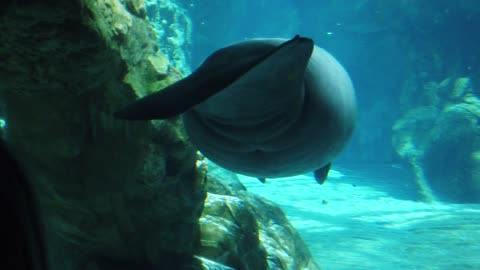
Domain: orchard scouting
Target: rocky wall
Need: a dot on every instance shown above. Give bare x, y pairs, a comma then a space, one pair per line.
437, 131
173, 26
246, 231
439, 136
112, 192
116, 194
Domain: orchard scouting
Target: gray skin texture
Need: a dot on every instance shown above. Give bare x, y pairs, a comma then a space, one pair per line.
290, 114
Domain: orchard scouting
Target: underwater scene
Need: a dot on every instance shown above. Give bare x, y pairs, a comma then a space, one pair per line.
240, 134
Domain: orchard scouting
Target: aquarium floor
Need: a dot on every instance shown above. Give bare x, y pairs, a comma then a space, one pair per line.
359, 220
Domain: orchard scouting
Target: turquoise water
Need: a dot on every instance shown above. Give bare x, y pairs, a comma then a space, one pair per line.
367, 221
415, 67
406, 59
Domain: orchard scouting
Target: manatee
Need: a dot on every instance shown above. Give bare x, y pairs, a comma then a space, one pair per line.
265, 108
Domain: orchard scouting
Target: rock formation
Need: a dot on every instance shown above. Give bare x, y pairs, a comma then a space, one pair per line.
114, 194
438, 136
246, 231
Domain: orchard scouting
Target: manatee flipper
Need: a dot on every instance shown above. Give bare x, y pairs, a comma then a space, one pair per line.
322, 173
218, 71
262, 180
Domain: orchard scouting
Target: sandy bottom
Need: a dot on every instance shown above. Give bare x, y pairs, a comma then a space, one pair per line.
370, 218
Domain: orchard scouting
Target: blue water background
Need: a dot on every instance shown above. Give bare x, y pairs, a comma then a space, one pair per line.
374, 60
371, 216
369, 37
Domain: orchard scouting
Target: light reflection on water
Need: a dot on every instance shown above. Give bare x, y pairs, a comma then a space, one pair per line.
371, 219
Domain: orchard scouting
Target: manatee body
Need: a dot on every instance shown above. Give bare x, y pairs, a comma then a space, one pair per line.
266, 108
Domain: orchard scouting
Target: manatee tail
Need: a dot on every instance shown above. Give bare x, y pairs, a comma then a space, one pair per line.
216, 73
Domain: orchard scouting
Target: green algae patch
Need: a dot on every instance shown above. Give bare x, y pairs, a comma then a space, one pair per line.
148, 69
438, 136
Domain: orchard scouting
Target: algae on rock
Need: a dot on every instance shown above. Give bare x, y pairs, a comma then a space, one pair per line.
174, 31
438, 136
246, 231
112, 193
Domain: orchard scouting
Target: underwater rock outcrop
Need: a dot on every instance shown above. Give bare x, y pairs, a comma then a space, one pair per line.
173, 27
246, 231
111, 191
438, 132
438, 136
117, 195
